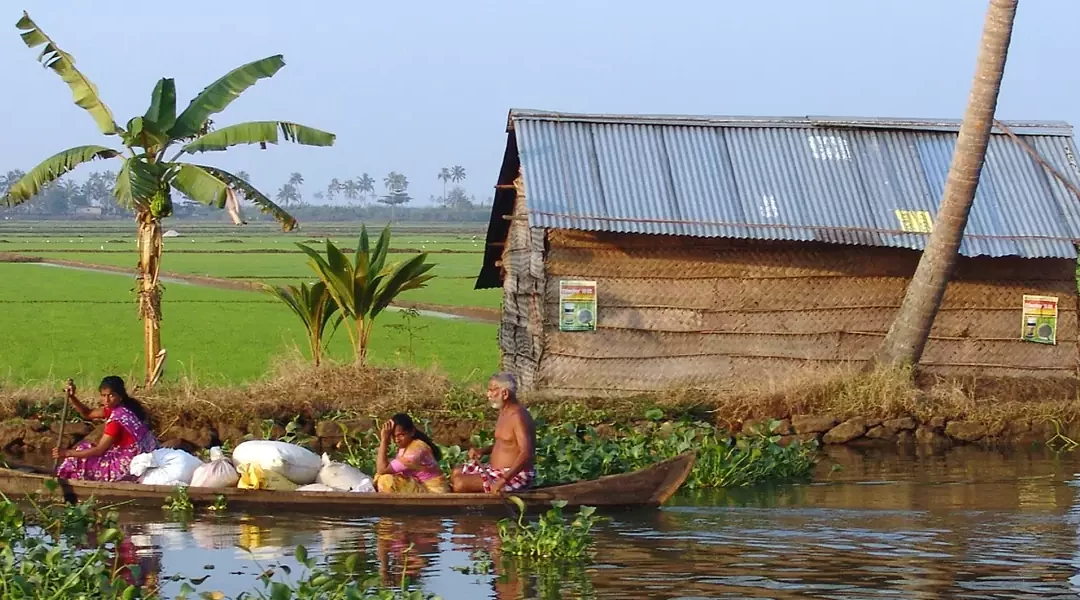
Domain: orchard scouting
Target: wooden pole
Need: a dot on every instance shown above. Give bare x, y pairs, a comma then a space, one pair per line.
63, 422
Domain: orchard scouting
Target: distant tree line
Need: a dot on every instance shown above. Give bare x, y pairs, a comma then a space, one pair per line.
92, 199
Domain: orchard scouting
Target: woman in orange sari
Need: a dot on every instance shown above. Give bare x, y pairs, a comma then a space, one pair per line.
415, 469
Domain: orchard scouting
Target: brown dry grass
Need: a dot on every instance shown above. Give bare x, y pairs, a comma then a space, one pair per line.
846, 392
295, 389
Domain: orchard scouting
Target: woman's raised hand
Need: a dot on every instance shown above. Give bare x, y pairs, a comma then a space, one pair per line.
387, 430
69, 388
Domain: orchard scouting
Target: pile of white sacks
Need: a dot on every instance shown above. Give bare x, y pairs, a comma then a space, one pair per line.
255, 464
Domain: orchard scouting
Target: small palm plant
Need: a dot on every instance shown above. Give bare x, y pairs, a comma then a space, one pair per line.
315, 307
366, 286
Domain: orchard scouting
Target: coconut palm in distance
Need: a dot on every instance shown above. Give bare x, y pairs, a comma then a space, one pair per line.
457, 174
366, 183
444, 177
147, 178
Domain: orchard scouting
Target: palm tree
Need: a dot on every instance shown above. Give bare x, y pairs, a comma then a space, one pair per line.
351, 189
444, 176
332, 189
395, 182
367, 184
904, 344
457, 174
287, 195
243, 176
147, 179
295, 181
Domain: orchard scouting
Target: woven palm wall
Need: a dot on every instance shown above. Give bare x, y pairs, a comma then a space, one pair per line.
677, 312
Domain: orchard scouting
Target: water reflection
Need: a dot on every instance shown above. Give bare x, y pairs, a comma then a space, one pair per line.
969, 524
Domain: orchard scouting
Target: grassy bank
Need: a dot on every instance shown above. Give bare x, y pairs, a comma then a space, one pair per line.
295, 392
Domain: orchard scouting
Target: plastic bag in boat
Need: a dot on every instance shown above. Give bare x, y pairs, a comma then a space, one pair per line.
298, 465
165, 466
218, 473
254, 477
343, 477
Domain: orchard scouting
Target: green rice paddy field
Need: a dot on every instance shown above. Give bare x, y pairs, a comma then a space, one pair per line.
57, 322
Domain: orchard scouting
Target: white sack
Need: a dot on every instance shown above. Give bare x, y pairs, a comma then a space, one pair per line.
169, 466
315, 487
218, 473
343, 477
298, 465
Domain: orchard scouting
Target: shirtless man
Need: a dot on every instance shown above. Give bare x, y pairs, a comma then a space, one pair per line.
510, 467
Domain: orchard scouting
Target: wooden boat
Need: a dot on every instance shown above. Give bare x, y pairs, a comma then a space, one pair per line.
646, 488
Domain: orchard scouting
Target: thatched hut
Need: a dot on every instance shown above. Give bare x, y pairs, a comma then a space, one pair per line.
728, 249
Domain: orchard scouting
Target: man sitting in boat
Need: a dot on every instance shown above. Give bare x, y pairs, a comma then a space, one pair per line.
511, 466
127, 434
415, 469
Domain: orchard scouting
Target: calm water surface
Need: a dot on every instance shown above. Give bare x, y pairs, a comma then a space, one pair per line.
970, 524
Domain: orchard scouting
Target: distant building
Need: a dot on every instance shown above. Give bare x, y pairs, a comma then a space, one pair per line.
734, 249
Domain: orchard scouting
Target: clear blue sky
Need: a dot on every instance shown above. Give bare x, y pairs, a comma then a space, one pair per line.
415, 86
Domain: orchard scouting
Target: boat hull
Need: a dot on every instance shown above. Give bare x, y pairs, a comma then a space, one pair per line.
646, 488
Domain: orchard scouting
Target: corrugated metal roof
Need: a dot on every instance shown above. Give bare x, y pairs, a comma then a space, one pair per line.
803, 179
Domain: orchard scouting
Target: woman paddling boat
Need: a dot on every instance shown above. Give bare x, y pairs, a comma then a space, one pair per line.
127, 434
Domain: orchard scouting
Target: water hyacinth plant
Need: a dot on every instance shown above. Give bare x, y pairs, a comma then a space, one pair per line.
569, 452
551, 537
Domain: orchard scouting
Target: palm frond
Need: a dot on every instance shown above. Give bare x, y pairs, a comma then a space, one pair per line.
51, 169
266, 206
218, 95
259, 132
83, 91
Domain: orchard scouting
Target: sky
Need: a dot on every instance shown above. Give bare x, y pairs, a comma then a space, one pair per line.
416, 86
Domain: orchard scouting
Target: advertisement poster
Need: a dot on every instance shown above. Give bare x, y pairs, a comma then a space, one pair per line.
577, 306
1040, 319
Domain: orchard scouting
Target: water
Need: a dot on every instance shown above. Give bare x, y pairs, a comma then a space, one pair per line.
970, 524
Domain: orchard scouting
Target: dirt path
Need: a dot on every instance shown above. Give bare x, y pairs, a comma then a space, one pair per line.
471, 313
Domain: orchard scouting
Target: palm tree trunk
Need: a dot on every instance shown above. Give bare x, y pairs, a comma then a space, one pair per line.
149, 244
904, 344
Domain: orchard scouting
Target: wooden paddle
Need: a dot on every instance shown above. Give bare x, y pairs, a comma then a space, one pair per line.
68, 389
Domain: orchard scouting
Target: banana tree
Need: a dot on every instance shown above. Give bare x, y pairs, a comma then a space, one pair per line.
363, 288
315, 307
147, 177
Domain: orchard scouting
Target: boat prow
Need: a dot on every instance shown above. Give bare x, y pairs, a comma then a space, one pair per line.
645, 488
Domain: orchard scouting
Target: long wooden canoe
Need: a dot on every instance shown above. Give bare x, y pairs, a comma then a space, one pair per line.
646, 488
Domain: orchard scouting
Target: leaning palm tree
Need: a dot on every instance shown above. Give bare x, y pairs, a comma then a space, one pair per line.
147, 178
904, 344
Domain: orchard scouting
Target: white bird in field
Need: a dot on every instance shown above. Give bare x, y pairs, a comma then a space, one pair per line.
103, 247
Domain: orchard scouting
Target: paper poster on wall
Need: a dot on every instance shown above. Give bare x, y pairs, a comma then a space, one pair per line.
577, 305
1040, 319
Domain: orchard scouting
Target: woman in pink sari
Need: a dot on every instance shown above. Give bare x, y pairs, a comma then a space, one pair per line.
127, 434
415, 469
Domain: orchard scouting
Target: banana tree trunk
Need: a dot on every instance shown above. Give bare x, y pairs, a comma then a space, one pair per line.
149, 290
904, 344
